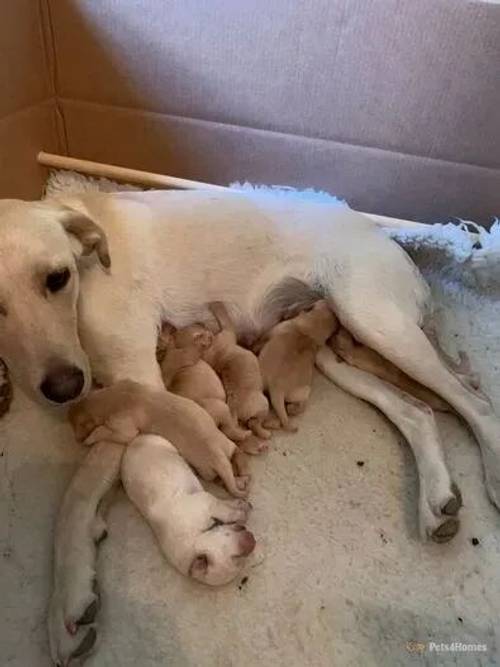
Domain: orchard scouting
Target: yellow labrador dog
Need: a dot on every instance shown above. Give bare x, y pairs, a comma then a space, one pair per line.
132, 260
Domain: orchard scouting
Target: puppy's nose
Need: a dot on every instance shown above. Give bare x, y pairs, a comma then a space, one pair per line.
63, 384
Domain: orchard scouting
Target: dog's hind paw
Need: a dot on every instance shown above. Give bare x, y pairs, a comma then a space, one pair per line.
438, 516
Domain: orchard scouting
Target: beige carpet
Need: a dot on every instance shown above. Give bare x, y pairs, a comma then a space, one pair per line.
340, 577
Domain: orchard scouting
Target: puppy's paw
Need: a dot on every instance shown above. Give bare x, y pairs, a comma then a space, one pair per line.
291, 427
257, 428
243, 484
98, 434
253, 446
231, 511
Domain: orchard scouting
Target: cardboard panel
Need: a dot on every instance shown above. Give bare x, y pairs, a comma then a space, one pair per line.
371, 180
418, 77
24, 74
22, 135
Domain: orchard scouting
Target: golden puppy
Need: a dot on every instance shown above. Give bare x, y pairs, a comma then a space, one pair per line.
286, 357
362, 357
120, 412
185, 373
240, 374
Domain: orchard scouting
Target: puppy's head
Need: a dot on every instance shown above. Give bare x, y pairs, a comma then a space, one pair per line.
220, 553
318, 322
195, 334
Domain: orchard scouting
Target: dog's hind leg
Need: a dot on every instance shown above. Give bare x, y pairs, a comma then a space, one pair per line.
382, 305
439, 498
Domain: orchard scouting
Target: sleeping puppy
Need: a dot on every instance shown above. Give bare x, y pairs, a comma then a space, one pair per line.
120, 412
185, 373
287, 355
200, 535
239, 371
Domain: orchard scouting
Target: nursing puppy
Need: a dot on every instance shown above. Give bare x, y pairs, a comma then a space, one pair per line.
185, 373
120, 412
287, 355
239, 371
200, 535
366, 359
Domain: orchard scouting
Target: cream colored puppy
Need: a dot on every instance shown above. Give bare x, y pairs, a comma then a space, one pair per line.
120, 412
200, 535
239, 371
185, 373
287, 355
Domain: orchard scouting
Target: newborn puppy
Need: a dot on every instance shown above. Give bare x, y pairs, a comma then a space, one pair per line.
200, 535
240, 374
287, 354
120, 412
185, 373
362, 357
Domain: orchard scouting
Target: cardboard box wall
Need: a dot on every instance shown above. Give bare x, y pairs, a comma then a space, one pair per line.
392, 104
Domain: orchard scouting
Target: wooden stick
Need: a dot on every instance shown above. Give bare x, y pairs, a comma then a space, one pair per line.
135, 176
160, 181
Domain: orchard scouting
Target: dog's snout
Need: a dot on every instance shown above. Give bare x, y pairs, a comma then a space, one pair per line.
63, 384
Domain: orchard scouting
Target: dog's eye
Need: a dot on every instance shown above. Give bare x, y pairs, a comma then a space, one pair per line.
214, 524
56, 280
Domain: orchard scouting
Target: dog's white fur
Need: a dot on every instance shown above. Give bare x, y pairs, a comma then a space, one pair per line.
174, 251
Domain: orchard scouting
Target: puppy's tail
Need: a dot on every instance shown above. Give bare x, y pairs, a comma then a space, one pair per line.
219, 311
277, 397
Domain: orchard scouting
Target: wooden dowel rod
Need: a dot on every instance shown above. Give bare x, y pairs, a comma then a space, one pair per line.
151, 180
133, 176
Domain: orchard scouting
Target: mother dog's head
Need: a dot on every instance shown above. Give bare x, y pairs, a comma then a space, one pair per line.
40, 243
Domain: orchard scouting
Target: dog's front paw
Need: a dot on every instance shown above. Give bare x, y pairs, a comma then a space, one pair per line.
72, 627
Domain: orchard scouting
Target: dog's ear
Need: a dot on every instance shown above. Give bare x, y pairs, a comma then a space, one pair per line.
89, 235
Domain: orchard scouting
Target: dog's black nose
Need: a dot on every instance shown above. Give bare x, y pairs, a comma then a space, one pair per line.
63, 384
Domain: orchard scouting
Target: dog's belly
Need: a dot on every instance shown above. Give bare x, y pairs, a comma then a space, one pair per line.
174, 252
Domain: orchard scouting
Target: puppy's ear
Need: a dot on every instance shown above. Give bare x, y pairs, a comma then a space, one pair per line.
88, 234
